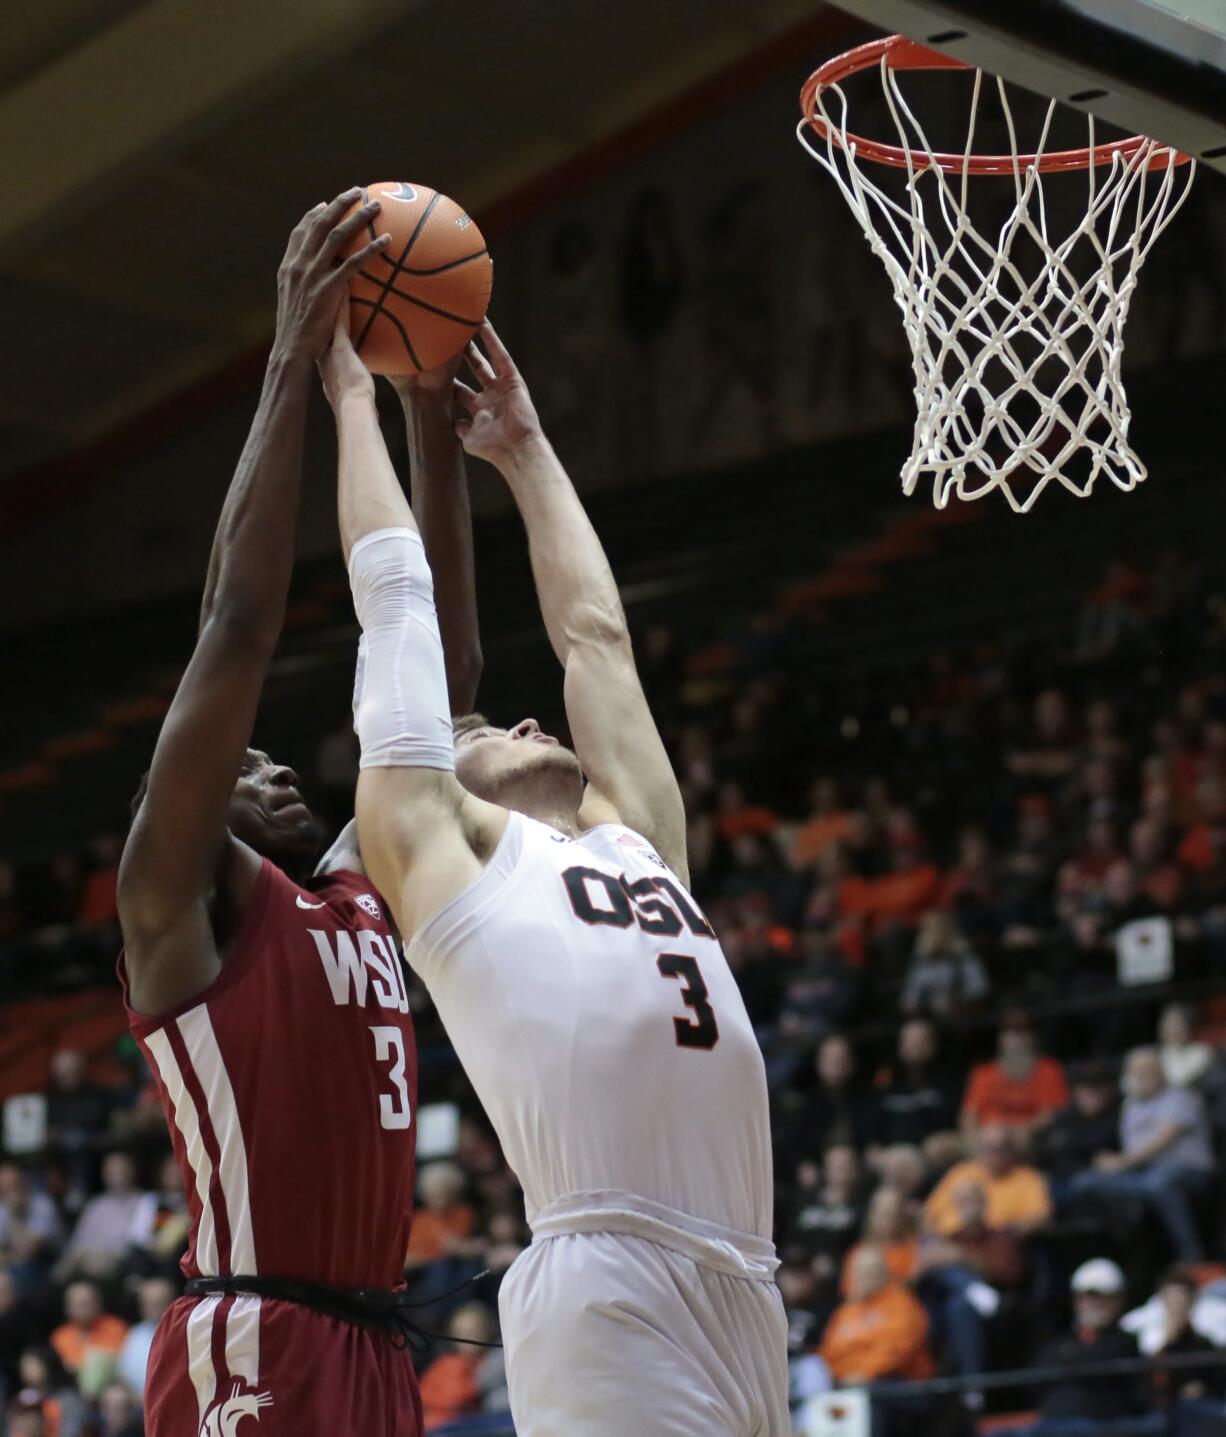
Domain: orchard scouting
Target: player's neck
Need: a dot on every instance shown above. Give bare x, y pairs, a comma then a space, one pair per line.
549, 799
564, 818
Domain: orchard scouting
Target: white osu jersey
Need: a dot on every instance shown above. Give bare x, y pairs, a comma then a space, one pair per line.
597, 1018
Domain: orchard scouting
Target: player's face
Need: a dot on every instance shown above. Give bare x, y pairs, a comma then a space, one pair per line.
490, 761
267, 811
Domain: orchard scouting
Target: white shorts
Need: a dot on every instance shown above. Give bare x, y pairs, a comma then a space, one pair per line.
608, 1333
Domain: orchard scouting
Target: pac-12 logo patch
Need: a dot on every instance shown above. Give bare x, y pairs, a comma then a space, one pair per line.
369, 904
223, 1419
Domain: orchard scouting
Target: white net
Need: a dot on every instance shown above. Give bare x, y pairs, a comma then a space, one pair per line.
1016, 334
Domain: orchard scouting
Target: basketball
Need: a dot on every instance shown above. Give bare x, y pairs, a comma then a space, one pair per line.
419, 302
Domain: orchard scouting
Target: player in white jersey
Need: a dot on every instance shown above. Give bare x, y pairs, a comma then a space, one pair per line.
542, 897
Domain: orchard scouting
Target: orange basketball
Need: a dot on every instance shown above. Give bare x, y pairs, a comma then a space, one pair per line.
418, 303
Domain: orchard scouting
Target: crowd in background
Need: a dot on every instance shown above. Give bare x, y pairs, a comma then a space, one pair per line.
977, 912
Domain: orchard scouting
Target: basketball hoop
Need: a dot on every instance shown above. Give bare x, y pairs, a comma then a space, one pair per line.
1017, 373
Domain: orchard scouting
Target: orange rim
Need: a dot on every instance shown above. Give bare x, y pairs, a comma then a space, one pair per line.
899, 53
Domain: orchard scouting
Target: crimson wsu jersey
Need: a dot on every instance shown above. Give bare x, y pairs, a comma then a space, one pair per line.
290, 1087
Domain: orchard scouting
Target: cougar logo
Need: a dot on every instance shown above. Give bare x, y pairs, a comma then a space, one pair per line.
368, 905
223, 1420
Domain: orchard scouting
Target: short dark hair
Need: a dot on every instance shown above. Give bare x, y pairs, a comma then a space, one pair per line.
465, 723
1179, 1276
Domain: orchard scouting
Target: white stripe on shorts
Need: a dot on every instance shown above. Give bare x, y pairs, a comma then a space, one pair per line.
187, 1120
243, 1340
200, 1354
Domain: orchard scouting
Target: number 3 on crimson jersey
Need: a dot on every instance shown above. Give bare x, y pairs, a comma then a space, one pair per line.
394, 1111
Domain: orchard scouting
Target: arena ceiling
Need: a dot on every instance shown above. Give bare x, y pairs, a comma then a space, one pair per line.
155, 153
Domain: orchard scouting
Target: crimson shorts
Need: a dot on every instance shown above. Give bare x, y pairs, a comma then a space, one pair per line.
258, 1367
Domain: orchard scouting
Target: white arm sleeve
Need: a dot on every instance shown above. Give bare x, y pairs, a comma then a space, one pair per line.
400, 705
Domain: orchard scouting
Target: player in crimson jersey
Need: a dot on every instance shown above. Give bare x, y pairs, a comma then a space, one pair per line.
268, 998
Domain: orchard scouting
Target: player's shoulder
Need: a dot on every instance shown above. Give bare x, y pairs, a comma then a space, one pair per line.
620, 845
349, 895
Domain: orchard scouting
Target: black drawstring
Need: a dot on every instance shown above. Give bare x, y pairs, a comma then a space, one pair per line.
409, 1330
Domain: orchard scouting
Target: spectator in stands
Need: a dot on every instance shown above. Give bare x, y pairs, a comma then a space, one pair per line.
52, 1391
156, 1295
827, 1210
819, 993
505, 1238
901, 1167
1017, 1196
1112, 621
1020, 1090
1098, 1301
1153, 1321
1026, 870
118, 1412
970, 888
1179, 1338
879, 1332
918, 1101
1048, 753
826, 824
99, 907
30, 1228
1165, 1158
890, 1227
19, 1327
111, 1226
945, 978
1082, 880
25, 1416
78, 1113
806, 1308
88, 1329
1077, 1134
464, 1380
839, 1110
443, 1223
172, 1221
1184, 1060
961, 1277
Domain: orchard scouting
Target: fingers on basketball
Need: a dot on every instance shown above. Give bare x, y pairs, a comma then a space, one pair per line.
417, 304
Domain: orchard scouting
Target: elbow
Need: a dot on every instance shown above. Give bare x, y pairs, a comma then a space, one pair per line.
598, 625
244, 626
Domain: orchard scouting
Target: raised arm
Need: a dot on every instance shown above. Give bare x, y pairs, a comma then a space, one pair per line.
180, 856
422, 836
629, 776
443, 514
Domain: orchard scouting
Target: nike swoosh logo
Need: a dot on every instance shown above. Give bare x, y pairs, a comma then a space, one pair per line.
298, 900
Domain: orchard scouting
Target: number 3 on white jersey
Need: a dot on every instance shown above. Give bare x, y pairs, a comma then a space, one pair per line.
394, 1111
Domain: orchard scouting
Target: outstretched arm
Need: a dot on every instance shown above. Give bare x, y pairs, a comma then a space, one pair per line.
179, 850
441, 508
422, 835
629, 775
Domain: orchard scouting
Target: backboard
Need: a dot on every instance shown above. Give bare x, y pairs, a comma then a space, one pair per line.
1153, 67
